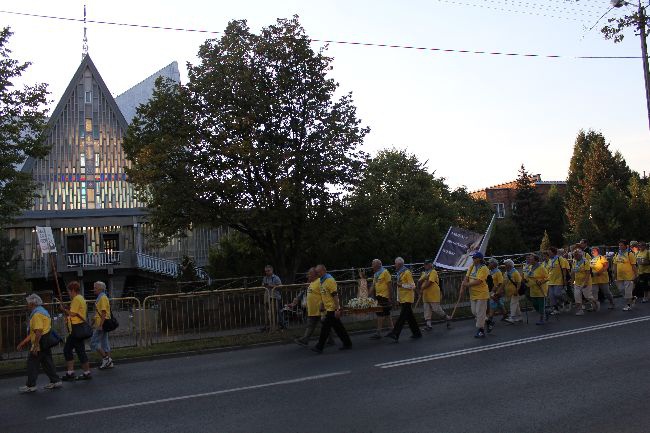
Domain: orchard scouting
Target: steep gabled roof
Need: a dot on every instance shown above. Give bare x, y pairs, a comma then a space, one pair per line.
85, 63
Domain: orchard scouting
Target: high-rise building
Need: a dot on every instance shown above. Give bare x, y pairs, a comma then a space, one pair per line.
99, 224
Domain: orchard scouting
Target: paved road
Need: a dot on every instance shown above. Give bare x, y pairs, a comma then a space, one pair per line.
578, 374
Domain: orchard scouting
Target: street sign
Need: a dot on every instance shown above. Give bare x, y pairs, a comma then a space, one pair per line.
46, 240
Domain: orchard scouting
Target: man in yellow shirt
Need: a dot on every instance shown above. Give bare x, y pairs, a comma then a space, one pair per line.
643, 266
406, 292
75, 317
429, 285
626, 272
99, 340
557, 268
40, 326
512, 282
536, 278
314, 306
476, 282
497, 296
600, 276
381, 290
330, 298
581, 272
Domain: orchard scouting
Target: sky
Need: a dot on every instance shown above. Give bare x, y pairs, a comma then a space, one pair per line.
476, 118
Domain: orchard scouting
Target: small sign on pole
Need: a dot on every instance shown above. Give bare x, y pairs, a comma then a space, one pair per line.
46, 240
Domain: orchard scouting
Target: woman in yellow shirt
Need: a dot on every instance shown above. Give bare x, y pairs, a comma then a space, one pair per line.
75, 318
99, 340
40, 354
581, 271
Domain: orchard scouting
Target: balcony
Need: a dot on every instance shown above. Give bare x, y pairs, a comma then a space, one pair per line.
98, 259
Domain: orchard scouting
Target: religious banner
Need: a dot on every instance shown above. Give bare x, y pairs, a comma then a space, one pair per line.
459, 245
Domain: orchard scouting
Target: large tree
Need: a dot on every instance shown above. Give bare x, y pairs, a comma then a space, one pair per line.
257, 140
22, 122
527, 212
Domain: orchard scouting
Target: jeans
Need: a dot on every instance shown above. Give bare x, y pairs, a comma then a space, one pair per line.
44, 360
332, 322
99, 340
78, 345
406, 315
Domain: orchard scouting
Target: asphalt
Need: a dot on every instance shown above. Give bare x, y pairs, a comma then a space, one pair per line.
576, 374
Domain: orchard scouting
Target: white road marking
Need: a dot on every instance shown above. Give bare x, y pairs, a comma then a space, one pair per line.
205, 394
469, 351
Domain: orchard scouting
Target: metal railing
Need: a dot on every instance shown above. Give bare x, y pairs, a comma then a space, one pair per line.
157, 265
14, 320
102, 258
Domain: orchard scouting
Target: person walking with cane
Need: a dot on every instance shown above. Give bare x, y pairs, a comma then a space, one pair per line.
406, 290
429, 283
479, 293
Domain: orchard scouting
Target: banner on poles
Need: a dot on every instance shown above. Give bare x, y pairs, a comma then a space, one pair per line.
459, 245
46, 240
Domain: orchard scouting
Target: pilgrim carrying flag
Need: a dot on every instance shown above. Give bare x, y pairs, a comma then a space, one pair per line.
459, 245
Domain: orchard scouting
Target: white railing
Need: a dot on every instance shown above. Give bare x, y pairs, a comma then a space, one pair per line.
157, 265
93, 259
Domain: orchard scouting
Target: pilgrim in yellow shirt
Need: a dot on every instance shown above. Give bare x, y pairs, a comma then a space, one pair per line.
78, 305
101, 304
39, 322
582, 273
432, 292
556, 267
314, 298
328, 289
600, 275
381, 284
625, 266
536, 279
406, 286
510, 288
497, 279
478, 273
641, 258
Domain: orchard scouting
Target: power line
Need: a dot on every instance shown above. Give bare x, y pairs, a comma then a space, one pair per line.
327, 41
518, 11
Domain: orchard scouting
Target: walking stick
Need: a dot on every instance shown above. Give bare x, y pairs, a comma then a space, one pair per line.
453, 313
56, 278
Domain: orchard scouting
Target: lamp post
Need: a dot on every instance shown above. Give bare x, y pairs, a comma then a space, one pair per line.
644, 45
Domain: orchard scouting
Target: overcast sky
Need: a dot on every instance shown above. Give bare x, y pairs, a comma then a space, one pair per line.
474, 117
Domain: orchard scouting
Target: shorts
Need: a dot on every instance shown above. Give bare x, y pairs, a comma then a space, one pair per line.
499, 304
100, 340
385, 304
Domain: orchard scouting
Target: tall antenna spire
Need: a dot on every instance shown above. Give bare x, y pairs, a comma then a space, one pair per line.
84, 51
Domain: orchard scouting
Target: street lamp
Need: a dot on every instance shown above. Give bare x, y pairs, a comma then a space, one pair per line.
644, 45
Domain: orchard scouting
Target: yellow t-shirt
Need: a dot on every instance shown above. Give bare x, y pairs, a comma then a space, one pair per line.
328, 291
432, 292
480, 291
314, 298
599, 270
101, 304
406, 287
497, 279
78, 305
510, 288
625, 266
536, 280
582, 273
39, 321
381, 284
642, 256
554, 267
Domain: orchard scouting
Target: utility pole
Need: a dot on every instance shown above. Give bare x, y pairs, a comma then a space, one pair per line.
644, 55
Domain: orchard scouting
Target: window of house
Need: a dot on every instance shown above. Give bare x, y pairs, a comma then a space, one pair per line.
89, 97
500, 210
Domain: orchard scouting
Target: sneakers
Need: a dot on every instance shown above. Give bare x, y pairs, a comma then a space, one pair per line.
480, 334
375, 336
298, 341
540, 322
490, 325
85, 376
427, 328
644, 300
68, 377
580, 312
53, 385
554, 312
597, 307
27, 389
509, 320
106, 363
392, 336
627, 308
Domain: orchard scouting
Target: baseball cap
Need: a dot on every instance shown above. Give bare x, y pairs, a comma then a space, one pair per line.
477, 255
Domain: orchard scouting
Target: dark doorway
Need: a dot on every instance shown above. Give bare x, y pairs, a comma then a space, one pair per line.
111, 242
76, 244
